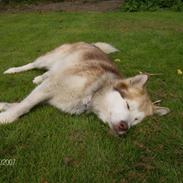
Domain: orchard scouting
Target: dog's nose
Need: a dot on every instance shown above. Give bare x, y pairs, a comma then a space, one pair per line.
123, 126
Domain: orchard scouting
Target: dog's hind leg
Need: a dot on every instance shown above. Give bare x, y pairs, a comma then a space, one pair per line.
43, 62
39, 94
26, 67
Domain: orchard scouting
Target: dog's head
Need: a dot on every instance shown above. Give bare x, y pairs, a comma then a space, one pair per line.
127, 104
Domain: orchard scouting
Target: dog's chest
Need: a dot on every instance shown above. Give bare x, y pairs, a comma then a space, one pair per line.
73, 106
69, 94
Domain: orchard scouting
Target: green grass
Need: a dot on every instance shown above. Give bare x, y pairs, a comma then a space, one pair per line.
50, 145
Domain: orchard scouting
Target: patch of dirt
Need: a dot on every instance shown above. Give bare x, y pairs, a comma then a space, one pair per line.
69, 161
76, 6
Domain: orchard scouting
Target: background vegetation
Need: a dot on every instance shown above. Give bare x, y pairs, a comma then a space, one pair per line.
152, 5
37, 1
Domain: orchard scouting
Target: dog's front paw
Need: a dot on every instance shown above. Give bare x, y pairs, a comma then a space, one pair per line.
3, 106
38, 80
11, 70
6, 117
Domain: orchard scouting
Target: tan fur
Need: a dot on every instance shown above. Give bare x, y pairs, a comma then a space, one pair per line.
137, 94
82, 77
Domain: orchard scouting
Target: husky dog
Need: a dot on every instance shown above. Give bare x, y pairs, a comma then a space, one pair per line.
80, 77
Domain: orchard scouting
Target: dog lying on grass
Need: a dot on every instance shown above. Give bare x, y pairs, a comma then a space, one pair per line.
80, 77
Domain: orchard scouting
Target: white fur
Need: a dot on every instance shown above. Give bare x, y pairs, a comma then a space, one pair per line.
19, 69
112, 109
41, 78
70, 92
15, 111
115, 109
136, 116
66, 93
4, 105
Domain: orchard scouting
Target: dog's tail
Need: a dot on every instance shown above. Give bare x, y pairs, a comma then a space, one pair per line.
105, 47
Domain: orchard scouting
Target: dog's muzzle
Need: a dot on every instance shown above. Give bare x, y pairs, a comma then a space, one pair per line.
121, 127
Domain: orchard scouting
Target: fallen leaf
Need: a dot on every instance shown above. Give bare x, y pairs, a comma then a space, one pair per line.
68, 160
179, 72
142, 146
150, 74
142, 166
117, 60
43, 180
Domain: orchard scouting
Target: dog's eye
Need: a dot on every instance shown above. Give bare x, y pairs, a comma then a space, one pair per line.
128, 106
136, 119
120, 92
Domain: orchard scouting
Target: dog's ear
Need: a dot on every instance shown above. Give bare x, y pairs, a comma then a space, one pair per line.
139, 80
122, 88
161, 110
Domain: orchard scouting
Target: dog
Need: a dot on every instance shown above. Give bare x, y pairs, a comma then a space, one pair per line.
81, 77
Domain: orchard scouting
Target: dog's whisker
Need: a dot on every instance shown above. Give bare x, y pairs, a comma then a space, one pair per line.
157, 102
151, 74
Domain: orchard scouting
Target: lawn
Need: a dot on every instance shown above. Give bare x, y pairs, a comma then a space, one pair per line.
50, 146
